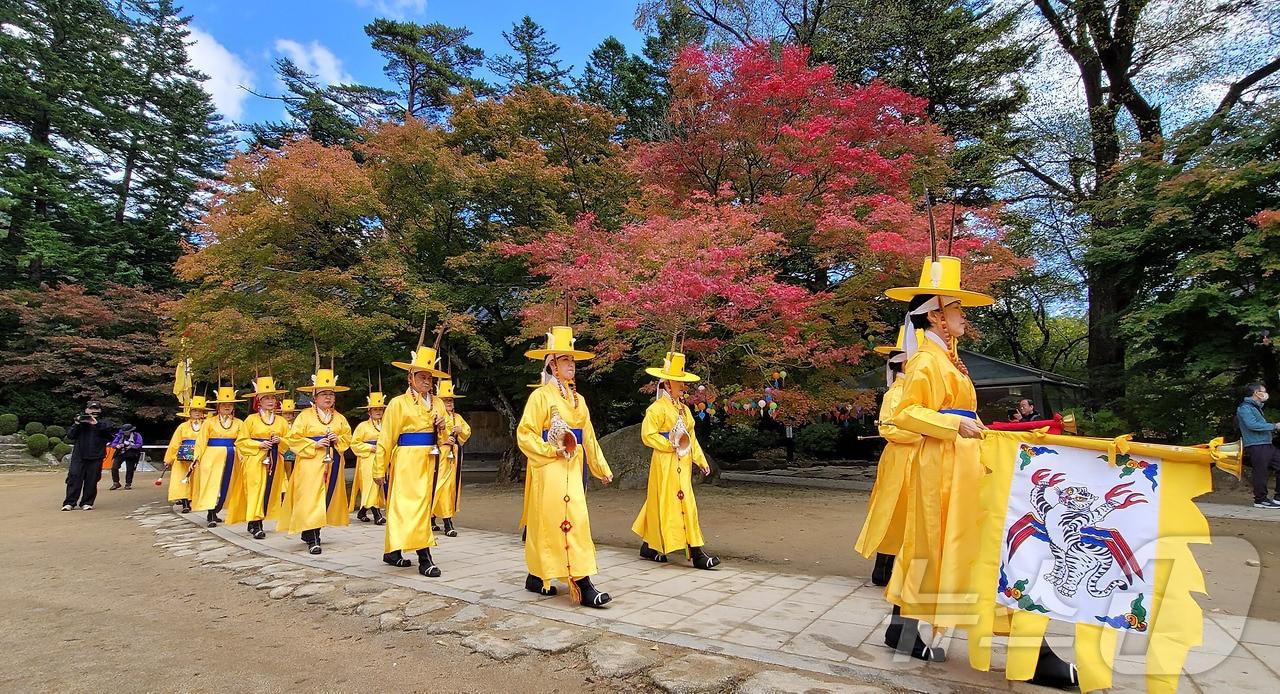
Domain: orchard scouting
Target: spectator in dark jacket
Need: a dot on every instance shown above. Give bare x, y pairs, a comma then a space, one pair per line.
1256, 435
128, 445
1028, 411
88, 437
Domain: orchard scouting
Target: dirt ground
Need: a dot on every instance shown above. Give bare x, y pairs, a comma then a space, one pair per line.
91, 605
812, 531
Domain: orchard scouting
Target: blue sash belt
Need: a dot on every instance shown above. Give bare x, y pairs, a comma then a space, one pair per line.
230, 445
417, 438
372, 443
577, 434
334, 474
963, 413
272, 454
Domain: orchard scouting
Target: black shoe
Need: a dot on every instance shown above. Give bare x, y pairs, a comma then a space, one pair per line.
362, 515
903, 636
1052, 671
448, 528
255, 529
882, 570
589, 595
426, 567
212, 519
313, 548
434, 528
396, 559
647, 552
378, 518
127, 487
533, 584
114, 486
702, 560
186, 506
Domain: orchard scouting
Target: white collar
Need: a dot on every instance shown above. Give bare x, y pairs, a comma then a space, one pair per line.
937, 340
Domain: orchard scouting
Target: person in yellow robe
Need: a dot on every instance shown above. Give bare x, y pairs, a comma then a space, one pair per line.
556, 435
365, 494
668, 521
887, 509
181, 452
261, 439
406, 462
215, 472
288, 410
449, 489
319, 436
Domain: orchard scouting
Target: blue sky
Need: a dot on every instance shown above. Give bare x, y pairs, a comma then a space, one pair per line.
237, 40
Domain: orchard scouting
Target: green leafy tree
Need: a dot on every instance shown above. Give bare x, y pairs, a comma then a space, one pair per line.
626, 85
329, 114
533, 61
429, 63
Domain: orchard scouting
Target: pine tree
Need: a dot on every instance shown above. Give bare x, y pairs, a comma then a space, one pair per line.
430, 62
534, 63
626, 85
330, 114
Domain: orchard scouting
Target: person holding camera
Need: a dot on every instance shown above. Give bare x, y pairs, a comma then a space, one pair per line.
88, 437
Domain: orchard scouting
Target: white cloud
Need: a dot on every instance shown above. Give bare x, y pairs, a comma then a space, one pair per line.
397, 9
227, 73
315, 59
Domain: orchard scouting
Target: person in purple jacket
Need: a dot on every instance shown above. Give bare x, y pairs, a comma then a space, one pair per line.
128, 445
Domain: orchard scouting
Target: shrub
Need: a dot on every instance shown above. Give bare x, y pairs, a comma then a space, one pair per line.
55, 431
34, 428
37, 445
8, 424
54, 441
61, 450
739, 442
819, 440
1103, 423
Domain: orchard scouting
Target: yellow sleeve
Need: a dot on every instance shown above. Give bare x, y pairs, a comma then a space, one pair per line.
890, 431
202, 440
297, 439
245, 445
464, 430
343, 429
358, 438
922, 395
594, 455
391, 425
651, 429
529, 431
175, 441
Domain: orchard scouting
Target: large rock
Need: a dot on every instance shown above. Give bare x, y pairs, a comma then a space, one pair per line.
616, 657
696, 672
629, 460
778, 682
494, 646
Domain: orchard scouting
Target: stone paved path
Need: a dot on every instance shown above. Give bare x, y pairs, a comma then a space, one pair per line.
830, 625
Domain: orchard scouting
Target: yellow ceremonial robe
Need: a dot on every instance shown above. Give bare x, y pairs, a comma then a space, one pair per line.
668, 521
558, 540
932, 574
407, 457
217, 472
262, 475
185, 435
364, 443
887, 508
317, 494
449, 487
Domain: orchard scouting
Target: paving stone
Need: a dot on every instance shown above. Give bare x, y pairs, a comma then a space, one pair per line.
463, 622
279, 566
366, 587
282, 591
520, 622
778, 682
309, 589
210, 544
254, 563
338, 602
210, 556
272, 585
616, 657
183, 552
424, 604
694, 673
390, 621
556, 638
253, 581
296, 575
493, 646
396, 595
373, 608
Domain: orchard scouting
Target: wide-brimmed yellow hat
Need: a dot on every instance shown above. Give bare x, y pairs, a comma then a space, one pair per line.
376, 401
225, 394
197, 402
288, 405
888, 350
560, 341
672, 369
422, 359
324, 379
444, 389
266, 385
940, 278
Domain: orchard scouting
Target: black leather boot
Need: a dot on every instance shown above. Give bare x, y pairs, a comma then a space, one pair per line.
448, 528
883, 569
362, 515
702, 560
533, 584
647, 552
255, 529
1052, 671
434, 527
396, 559
589, 595
186, 505
378, 518
211, 519
426, 567
903, 636
312, 538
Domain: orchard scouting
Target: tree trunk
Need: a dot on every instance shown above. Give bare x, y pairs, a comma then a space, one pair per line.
512, 464
1108, 299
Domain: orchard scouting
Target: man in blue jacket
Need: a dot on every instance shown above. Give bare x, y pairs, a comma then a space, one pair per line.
1256, 435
